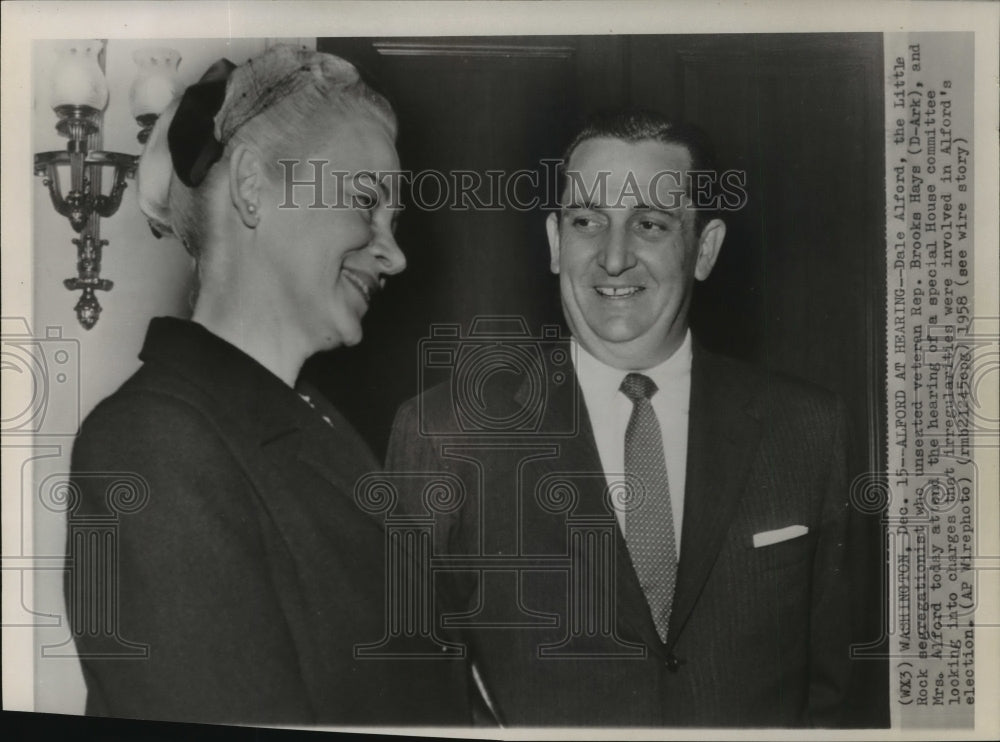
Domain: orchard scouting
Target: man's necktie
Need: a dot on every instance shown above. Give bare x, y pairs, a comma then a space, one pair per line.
649, 523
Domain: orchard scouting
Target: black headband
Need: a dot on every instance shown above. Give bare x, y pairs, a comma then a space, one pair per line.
191, 136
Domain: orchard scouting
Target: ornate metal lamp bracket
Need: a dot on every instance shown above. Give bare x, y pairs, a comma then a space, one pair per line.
79, 205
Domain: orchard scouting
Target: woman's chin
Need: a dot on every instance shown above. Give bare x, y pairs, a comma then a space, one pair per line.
352, 337
339, 338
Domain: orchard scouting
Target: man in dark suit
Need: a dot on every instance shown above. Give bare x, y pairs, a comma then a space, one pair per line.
645, 533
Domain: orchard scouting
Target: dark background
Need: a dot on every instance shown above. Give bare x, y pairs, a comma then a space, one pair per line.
799, 285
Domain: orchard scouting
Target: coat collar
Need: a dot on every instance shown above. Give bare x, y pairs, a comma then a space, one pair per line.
255, 401
233, 382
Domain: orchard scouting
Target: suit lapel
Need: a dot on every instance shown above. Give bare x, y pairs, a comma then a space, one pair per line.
579, 459
291, 437
722, 438
337, 454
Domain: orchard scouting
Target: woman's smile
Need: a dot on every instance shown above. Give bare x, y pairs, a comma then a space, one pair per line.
366, 284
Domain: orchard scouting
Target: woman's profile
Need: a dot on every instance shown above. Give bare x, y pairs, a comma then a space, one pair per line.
250, 573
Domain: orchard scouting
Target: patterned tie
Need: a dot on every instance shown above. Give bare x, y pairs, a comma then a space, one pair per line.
649, 526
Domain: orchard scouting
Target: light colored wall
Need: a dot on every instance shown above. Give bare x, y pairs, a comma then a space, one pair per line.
152, 277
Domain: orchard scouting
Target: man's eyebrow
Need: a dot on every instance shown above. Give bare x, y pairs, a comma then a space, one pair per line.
673, 213
576, 204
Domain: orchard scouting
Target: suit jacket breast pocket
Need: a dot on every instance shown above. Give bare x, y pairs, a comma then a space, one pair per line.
787, 553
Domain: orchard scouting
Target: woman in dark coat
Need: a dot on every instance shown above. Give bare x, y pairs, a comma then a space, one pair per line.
247, 576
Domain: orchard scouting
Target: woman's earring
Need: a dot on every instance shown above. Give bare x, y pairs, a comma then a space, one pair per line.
251, 208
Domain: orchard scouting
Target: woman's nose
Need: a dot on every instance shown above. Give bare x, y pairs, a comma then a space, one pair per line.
386, 250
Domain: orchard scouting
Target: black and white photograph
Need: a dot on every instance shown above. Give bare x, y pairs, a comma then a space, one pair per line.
489, 369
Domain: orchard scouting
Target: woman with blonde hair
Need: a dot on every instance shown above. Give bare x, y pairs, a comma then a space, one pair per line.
250, 573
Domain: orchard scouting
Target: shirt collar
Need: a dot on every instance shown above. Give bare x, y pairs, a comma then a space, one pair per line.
597, 377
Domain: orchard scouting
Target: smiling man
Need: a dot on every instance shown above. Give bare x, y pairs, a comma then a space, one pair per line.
721, 598
627, 247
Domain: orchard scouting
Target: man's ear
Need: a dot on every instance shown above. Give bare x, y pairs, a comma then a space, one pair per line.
709, 245
246, 176
552, 229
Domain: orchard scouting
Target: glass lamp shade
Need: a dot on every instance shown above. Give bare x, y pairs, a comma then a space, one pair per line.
156, 84
77, 79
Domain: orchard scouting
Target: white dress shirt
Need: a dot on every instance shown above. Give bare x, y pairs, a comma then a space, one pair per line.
609, 410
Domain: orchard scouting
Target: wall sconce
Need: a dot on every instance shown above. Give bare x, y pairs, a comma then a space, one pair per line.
155, 87
79, 96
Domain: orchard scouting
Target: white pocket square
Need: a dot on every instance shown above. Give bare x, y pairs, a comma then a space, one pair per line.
766, 538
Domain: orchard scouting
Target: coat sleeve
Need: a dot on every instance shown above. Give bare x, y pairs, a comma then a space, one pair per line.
186, 578
402, 438
830, 625
409, 454
408, 457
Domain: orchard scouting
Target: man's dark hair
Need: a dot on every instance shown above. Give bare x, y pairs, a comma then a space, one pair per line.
636, 125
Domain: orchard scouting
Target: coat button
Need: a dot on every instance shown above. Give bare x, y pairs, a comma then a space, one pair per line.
673, 662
